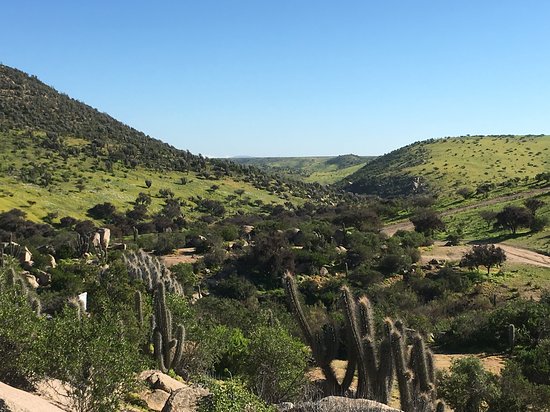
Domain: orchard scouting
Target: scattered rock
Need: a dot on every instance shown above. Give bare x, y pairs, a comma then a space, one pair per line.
155, 399
158, 380
324, 271
341, 250
52, 262
30, 279
43, 278
185, 399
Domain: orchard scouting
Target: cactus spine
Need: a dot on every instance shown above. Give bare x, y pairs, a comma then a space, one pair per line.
168, 349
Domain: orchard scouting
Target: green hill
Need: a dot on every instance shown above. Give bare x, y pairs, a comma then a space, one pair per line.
444, 166
321, 169
59, 156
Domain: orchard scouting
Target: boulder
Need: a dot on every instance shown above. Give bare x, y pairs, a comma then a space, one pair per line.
52, 262
43, 278
155, 399
16, 400
324, 271
339, 404
30, 279
185, 399
158, 380
104, 236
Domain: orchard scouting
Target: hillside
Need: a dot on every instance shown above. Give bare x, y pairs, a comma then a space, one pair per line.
321, 169
54, 147
445, 165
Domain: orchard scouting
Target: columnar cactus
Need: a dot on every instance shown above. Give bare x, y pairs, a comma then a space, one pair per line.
148, 269
168, 349
323, 344
377, 360
511, 336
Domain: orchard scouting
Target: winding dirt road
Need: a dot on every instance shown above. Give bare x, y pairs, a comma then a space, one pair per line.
514, 254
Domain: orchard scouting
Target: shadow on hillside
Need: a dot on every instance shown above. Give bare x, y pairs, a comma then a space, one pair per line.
497, 238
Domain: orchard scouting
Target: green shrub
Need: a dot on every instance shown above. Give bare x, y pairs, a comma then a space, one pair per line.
92, 355
276, 365
231, 395
19, 328
467, 387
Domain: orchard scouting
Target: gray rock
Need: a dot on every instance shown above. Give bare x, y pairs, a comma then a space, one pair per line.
158, 380
185, 399
341, 404
155, 399
15, 400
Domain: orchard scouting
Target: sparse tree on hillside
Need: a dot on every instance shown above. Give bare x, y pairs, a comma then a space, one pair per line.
488, 216
484, 255
533, 205
427, 221
513, 217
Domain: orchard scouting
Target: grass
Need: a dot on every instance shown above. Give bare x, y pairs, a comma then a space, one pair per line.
522, 280
120, 186
320, 169
475, 228
452, 163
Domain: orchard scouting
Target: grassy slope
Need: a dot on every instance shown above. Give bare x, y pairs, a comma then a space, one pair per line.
450, 163
321, 169
475, 228
119, 187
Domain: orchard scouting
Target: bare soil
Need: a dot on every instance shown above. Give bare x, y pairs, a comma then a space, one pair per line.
407, 225
513, 254
184, 255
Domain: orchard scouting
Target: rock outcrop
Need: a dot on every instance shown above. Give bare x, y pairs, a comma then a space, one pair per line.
16, 400
338, 404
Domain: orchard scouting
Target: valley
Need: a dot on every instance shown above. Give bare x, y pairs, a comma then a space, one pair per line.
265, 280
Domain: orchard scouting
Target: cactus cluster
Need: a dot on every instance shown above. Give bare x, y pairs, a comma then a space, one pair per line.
148, 269
17, 283
168, 348
377, 360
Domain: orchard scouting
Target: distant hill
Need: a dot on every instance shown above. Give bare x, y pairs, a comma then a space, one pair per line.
321, 169
61, 156
445, 165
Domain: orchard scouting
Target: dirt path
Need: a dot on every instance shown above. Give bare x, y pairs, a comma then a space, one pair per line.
185, 255
513, 254
407, 225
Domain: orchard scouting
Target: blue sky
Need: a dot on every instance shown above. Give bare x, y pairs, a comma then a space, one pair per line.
293, 77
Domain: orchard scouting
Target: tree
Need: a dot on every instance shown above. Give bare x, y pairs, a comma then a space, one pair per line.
427, 221
533, 205
465, 192
484, 255
143, 199
513, 217
488, 216
148, 183
102, 211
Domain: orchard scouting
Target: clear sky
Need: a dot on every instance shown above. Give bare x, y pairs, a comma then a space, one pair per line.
293, 77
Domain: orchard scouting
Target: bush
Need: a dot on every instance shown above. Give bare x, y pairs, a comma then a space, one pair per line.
19, 328
231, 395
535, 362
235, 287
467, 387
92, 356
276, 365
